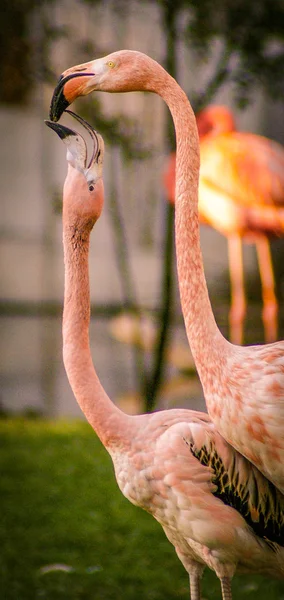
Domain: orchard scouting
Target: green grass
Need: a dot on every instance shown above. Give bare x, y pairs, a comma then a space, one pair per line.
60, 505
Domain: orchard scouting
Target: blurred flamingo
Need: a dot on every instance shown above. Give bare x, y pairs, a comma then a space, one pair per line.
241, 195
215, 507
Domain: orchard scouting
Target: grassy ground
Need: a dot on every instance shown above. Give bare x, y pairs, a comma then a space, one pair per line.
67, 533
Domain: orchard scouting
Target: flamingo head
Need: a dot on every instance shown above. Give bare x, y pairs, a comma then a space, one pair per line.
214, 120
122, 71
83, 189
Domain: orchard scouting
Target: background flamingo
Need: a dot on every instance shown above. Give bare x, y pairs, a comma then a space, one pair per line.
174, 464
243, 386
241, 194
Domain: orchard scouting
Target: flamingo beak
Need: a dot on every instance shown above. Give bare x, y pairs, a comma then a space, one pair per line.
68, 88
77, 150
62, 131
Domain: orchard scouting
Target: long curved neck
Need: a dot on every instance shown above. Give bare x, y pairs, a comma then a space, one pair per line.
206, 341
106, 419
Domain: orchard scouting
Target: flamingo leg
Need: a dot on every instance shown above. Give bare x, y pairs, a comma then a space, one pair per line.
226, 588
238, 300
270, 304
194, 569
194, 585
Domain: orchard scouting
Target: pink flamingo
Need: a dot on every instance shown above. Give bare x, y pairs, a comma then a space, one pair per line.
243, 386
215, 507
241, 194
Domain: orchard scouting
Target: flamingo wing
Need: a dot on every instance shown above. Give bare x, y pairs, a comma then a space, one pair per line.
241, 486
221, 472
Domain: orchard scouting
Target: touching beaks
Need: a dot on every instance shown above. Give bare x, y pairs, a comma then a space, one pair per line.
77, 149
68, 88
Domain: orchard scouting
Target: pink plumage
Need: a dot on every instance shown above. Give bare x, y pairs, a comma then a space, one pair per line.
214, 505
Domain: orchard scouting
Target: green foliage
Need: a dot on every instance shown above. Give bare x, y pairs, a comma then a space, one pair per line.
22, 34
252, 34
67, 532
14, 51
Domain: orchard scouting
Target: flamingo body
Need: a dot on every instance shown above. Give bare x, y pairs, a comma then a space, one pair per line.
247, 172
190, 499
214, 505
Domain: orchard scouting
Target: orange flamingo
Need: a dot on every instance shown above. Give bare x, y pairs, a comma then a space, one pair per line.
243, 386
215, 507
241, 194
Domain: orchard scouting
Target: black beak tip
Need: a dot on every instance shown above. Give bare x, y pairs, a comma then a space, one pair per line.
62, 131
57, 106
58, 102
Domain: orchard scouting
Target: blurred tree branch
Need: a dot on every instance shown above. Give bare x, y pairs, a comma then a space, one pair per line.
170, 12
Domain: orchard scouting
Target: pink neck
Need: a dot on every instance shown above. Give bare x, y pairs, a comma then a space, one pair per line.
206, 341
106, 419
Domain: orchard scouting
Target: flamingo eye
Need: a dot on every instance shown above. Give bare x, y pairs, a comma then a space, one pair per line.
111, 64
